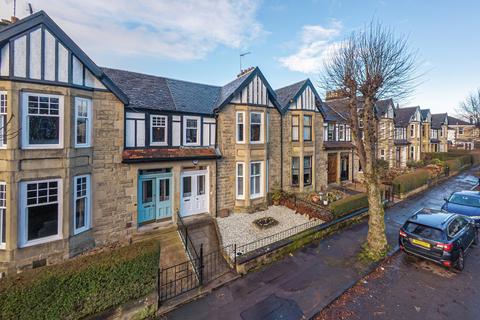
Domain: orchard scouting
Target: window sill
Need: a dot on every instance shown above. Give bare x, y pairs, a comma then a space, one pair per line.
158, 144
42, 147
32, 243
3, 246
80, 231
257, 196
80, 146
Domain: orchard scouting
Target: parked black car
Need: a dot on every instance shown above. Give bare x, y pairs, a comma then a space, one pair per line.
439, 236
466, 203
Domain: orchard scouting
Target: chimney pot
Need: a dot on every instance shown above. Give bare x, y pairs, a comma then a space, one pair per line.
14, 19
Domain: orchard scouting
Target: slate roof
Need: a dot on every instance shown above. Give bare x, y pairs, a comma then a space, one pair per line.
438, 119
424, 113
456, 121
159, 93
331, 113
286, 94
404, 115
382, 106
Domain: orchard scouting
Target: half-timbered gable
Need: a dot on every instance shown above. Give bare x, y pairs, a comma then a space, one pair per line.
36, 50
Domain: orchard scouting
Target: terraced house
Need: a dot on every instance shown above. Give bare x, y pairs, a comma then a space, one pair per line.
461, 134
426, 130
439, 133
407, 135
302, 154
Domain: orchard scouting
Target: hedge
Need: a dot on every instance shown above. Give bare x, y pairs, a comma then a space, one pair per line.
82, 286
410, 181
458, 163
348, 204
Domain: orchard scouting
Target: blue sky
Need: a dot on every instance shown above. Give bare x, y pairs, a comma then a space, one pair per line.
201, 40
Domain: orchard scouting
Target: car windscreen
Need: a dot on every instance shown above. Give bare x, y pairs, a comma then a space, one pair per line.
465, 200
424, 231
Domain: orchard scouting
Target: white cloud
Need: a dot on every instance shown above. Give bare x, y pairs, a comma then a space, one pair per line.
317, 43
181, 30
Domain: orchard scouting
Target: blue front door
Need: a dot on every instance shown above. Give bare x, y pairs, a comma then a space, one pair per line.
154, 197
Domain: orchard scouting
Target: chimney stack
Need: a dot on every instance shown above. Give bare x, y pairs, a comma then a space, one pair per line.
13, 19
335, 94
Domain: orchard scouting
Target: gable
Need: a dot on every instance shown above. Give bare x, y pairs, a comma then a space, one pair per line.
38, 55
254, 92
305, 99
36, 49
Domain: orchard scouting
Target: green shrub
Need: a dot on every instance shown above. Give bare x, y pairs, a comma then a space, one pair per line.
458, 163
415, 164
82, 286
410, 181
348, 204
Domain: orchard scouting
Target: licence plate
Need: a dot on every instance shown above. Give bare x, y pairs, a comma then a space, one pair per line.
421, 243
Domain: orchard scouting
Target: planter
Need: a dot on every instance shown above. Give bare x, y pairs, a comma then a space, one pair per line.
265, 222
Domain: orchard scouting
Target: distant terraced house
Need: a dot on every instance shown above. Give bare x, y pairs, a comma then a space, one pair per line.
462, 134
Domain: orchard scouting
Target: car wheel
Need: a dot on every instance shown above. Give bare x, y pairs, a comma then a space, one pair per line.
460, 261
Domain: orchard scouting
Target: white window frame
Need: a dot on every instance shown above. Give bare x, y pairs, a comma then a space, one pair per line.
237, 123
198, 119
25, 126
3, 207
136, 122
23, 242
3, 119
460, 130
260, 193
240, 196
88, 204
158, 143
88, 139
262, 127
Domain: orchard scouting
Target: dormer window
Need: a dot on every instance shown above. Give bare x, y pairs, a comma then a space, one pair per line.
158, 130
191, 131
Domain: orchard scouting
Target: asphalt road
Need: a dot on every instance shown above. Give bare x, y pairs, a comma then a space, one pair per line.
412, 288
302, 284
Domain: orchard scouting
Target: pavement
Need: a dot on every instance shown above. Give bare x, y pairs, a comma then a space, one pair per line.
303, 283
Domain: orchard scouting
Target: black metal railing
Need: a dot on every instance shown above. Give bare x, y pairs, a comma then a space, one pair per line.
187, 243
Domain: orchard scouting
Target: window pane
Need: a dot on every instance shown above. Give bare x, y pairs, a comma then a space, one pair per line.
147, 191
81, 130
3, 237
158, 134
191, 135
240, 186
42, 221
43, 130
164, 192
80, 213
187, 186
200, 185
255, 118
295, 171
255, 132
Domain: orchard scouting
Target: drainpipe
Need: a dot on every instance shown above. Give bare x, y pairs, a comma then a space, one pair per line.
281, 150
216, 165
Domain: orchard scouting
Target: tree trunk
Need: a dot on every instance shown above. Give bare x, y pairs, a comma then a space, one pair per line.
376, 239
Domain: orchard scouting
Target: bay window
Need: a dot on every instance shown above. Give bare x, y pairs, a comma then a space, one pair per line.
240, 127
256, 127
295, 127
81, 211
158, 130
255, 179
3, 119
307, 128
240, 186
83, 122
42, 121
41, 211
307, 171
191, 131
295, 171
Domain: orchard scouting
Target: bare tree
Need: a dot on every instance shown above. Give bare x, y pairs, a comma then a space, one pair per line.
469, 109
371, 64
6, 132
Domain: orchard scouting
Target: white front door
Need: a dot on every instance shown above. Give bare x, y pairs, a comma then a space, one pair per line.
194, 192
